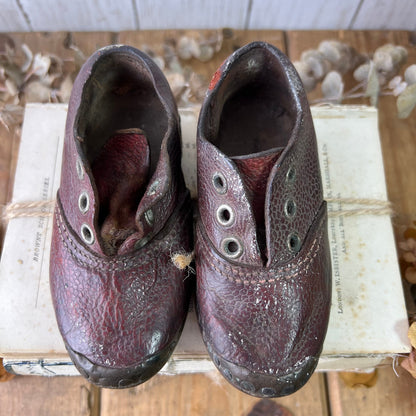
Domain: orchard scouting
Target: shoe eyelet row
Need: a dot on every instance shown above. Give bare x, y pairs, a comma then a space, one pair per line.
231, 246
290, 208
87, 234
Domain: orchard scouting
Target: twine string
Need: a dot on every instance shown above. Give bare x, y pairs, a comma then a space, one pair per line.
182, 260
28, 209
367, 207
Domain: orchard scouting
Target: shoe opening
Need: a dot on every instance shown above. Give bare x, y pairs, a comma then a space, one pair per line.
251, 119
120, 125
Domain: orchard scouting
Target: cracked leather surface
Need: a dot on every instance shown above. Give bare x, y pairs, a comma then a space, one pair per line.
122, 311
263, 320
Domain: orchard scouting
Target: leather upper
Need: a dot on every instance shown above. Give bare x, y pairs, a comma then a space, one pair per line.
117, 310
264, 311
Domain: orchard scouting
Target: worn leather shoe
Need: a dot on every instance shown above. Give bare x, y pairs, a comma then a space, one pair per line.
262, 254
122, 210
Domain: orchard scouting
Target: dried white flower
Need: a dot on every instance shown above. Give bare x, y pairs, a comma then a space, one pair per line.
40, 65
410, 74
307, 78
338, 54
406, 101
65, 89
37, 92
187, 48
317, 65
206, 53
332, 86
399, 88
388, 59
361, 72
11, 87
28, 57
395, 82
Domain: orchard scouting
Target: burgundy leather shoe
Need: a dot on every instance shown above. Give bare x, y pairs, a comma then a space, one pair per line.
122, 211
262, 254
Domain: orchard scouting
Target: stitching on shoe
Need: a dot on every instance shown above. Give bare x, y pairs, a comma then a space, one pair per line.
111, 265
228, 271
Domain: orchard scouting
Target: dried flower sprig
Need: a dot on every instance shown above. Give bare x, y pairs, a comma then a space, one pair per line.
376, 76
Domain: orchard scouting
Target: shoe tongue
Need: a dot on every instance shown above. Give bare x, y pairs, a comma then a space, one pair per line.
121, 173
255, 171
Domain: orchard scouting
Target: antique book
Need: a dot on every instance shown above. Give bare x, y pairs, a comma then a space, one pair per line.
368, 320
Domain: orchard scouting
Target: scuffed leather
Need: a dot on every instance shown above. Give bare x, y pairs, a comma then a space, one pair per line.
119, 311
263, 321
121, 315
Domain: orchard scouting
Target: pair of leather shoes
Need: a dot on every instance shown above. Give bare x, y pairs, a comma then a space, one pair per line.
261, 253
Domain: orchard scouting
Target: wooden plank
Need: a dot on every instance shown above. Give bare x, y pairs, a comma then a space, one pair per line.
55, 15
34, 396
391, 395
12, 17
203, 395
192, 14
301, 15
376, 14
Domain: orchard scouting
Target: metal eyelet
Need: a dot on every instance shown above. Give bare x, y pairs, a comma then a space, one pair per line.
225, 215
219, 182
153, 187
84, 202
149, 217
293, 242
232, 247
291, 175
80, 169
87, 234
290, 208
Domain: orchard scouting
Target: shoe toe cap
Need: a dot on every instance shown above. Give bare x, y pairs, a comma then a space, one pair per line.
123, 377
263, 384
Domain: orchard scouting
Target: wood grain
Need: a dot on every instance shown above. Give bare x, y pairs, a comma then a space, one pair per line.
12, 17
48, 396
179, 14
376, 14
54, 15
392, 395
302, 15
203, 395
